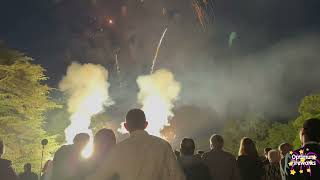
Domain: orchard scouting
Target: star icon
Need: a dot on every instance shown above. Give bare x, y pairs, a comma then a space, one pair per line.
309, 170
310, 162
301, 171
314, 157
302, 159
301, 151
291, 152
290, 163
292, 172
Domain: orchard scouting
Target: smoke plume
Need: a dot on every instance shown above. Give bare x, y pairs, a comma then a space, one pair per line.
157, 94
87, 86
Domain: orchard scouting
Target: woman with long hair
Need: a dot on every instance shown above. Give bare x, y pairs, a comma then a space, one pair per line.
249, 163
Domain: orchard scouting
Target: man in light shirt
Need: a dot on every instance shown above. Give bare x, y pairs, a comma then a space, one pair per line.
141, 156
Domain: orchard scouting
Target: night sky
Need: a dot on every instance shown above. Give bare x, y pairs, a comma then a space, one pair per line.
270, 34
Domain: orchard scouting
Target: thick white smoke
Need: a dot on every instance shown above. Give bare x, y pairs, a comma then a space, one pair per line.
157, 95
87, 87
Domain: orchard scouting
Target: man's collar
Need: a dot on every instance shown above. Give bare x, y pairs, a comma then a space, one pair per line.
138, 133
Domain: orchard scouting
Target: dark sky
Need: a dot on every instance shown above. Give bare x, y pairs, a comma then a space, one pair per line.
56, 32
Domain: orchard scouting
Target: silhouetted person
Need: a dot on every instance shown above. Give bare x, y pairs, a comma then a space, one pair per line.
273, 168
266, 160
310, 139
104, 140
222, 164
193, 167
139, 157
28, 174
68, 162
284, 149
6, 170
249, 163
46, 171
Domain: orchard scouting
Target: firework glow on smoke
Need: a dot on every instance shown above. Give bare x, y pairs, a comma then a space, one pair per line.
87, 88
158, 92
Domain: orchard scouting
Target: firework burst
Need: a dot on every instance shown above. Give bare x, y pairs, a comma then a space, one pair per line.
204, 11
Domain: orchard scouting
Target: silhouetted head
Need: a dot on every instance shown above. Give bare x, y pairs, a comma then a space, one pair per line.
187, 147
135, 120
104, 140
81, 140
1, 148
284, 149
266, 150
216, 142
274, 156
248, 147
310, 131
27, 167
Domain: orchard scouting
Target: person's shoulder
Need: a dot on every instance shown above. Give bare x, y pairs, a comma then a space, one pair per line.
150, 139
245, 159
228, 155
249, 158
160, 142
62, 151
241, 157
209, 154
5, 163
63, 148
120, 145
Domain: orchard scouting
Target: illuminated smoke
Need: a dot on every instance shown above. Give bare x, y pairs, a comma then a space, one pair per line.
157, 95
87, 88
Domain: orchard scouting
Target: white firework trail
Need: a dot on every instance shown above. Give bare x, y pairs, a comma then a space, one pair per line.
157, 50
118, 68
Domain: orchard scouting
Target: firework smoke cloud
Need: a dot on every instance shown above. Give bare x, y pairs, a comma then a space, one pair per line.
87, 87
157, 95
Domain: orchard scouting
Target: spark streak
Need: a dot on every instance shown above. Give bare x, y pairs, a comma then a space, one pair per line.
118, 68
157, 50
